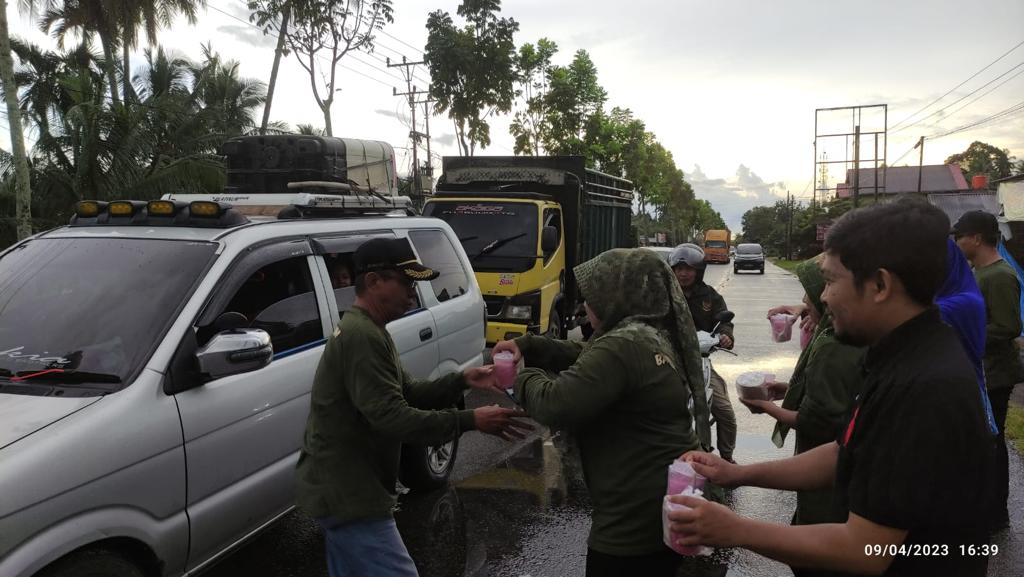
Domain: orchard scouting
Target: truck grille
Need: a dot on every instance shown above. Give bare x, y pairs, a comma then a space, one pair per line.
494, 305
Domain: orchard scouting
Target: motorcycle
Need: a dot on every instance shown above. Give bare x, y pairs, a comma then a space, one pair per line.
708, 342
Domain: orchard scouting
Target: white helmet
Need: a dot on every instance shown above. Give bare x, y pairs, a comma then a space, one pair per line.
689, 254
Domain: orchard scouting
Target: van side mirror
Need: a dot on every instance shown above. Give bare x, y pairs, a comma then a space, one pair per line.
549, 240
233, 352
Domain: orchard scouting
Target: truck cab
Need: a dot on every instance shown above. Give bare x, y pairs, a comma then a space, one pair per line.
525, 222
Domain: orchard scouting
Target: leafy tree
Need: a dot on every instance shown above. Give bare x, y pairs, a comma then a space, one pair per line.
703, 217
981, 158
331, 29
574, 97
473, 68
534, 67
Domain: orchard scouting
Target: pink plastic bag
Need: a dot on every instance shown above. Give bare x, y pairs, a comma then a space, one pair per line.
782, 327
670, 537
681, 477
806, 334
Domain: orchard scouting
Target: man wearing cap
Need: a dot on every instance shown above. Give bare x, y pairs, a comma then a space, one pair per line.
977, 235
364, 406
687, 261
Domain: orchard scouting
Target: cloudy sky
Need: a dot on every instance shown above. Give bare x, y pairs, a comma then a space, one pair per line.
729, 86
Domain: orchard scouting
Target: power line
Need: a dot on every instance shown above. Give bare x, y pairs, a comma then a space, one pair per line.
961, 99
990, 91
975, 75
321, 57
1019, 107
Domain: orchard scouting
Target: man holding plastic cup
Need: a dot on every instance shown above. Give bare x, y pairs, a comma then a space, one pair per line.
912, 464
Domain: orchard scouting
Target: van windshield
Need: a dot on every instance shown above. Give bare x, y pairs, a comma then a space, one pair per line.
77, 311
748, 249
497, 236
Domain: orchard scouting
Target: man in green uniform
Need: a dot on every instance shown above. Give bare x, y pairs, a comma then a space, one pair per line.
364, 406
977, 235
687, 261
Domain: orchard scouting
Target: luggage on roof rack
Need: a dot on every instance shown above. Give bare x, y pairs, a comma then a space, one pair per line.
267, 164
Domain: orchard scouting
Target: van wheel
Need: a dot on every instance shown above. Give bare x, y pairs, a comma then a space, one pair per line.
761, 270
735, 270
93, 563
427, 468
554, 326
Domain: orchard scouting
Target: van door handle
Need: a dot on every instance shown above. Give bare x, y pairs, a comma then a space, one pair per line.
426, 334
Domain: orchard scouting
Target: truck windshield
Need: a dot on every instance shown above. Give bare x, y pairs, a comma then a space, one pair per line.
89, 311
714, 244
497, 236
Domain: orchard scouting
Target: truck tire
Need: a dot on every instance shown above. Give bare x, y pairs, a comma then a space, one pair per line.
93, 563
554, 326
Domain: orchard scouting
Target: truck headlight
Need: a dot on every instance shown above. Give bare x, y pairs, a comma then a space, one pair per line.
519, 312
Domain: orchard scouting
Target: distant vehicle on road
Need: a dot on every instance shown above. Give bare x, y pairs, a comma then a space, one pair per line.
716, 246
749, 256
526, 221
663, 251
158, 360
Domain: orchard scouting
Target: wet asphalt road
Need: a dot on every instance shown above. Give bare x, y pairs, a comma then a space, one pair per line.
521, 509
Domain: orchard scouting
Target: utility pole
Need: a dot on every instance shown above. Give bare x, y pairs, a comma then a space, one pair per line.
789, 226
414, 135
920, 162
429, 168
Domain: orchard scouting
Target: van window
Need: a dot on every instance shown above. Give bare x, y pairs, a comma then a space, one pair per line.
279, 299
92, 305
748, 249
437, 252
340, 267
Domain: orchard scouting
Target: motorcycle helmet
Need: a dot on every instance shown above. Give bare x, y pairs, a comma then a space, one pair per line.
689, 254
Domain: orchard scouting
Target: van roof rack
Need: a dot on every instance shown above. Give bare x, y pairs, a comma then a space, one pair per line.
339, 200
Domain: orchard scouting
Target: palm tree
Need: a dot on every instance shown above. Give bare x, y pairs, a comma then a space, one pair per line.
85, 18
23, 190
150, 16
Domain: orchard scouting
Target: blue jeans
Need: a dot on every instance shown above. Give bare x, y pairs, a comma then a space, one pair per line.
366, 548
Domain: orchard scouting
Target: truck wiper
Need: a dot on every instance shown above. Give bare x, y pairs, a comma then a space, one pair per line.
498, 243
66, 376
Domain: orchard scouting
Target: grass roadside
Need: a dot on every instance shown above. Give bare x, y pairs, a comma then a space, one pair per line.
789, 265
1015, 426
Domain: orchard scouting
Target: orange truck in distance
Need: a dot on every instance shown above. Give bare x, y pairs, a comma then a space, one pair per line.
716, 246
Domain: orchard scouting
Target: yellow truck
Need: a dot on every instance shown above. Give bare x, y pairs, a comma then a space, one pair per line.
525, 222
716, 246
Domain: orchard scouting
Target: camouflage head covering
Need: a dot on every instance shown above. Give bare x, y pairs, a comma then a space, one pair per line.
813, 280
626, 286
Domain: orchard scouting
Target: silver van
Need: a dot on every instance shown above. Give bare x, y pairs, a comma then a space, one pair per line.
156, 361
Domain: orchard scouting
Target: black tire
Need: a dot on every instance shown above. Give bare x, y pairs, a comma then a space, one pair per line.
735, 270
426, 468
555, 326
761, 270
93, 563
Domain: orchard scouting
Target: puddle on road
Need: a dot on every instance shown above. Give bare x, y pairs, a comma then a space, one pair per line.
528, 516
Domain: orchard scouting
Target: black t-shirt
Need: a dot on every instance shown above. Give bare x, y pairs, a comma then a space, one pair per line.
916, 453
